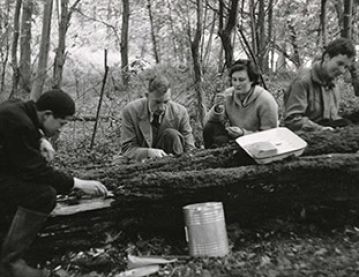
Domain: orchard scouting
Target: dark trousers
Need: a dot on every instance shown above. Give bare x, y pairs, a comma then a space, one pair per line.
16, 193
335, 123
171, 141
214, 135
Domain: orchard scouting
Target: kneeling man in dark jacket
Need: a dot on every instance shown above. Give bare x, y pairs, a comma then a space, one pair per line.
28, 184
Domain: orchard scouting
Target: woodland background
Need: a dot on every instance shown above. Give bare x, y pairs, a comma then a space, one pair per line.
103, 52
62, 43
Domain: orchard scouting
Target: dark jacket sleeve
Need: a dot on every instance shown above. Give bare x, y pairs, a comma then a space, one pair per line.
21, 146
295, 104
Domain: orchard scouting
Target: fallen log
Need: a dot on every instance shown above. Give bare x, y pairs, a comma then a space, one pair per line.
250, 194
152, 194
342, 140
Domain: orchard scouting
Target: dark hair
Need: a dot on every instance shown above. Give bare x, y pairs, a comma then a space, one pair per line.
339, 46
57, 101
158, 83
249, 67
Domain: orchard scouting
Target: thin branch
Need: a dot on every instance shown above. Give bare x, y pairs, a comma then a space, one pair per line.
100, 101
99, 21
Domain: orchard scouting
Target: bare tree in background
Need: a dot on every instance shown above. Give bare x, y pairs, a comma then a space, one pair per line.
323, 22
25, 48
15, 40
4, 43
39, 81
60, 57
252, 20
347, 19
153, 36
340, 11
262, 38
271, 36
225, 33
176, 51
124, 43
294, 42
197, 66
210, 39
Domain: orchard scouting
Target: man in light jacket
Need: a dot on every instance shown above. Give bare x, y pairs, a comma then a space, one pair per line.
155, 126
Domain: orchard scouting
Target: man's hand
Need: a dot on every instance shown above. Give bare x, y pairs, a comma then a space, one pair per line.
156, 153
46, 149
234, 131
90, 187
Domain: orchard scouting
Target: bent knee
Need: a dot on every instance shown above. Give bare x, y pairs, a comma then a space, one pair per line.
46, 199
170, 132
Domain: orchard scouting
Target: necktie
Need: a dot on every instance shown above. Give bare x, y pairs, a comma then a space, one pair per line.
156, 120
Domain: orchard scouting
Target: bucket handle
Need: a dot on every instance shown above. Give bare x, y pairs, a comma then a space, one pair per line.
186, 233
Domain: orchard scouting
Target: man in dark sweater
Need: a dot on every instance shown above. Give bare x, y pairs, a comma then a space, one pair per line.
312, 100
28, 184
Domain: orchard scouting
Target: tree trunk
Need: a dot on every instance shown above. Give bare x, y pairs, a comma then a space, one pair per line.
41, 74
323, 22
294, 42
221, 59
5, 49
355, 21
25, 49
347, 19
270, 39
253, 24
109, 32
124, 43
226, 33
153, 36
340, 13
204, 24
281, 62
197, 66
60, 56
210, 39
261, 38
173, 34
15, 77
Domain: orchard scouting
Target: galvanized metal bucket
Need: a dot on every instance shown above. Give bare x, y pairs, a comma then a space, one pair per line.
205, 229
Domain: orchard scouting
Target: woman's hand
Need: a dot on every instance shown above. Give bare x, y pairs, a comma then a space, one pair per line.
234, 131
219, 103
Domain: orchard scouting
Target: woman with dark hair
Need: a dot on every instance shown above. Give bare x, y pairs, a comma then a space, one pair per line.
244, 108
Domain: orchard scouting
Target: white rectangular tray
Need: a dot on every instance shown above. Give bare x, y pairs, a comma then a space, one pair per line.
286, 142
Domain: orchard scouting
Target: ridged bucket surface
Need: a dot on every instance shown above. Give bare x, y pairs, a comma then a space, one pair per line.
206, 229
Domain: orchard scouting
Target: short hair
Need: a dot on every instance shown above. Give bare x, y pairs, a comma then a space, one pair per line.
339, 46
249, 67
57, 101
159, 83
